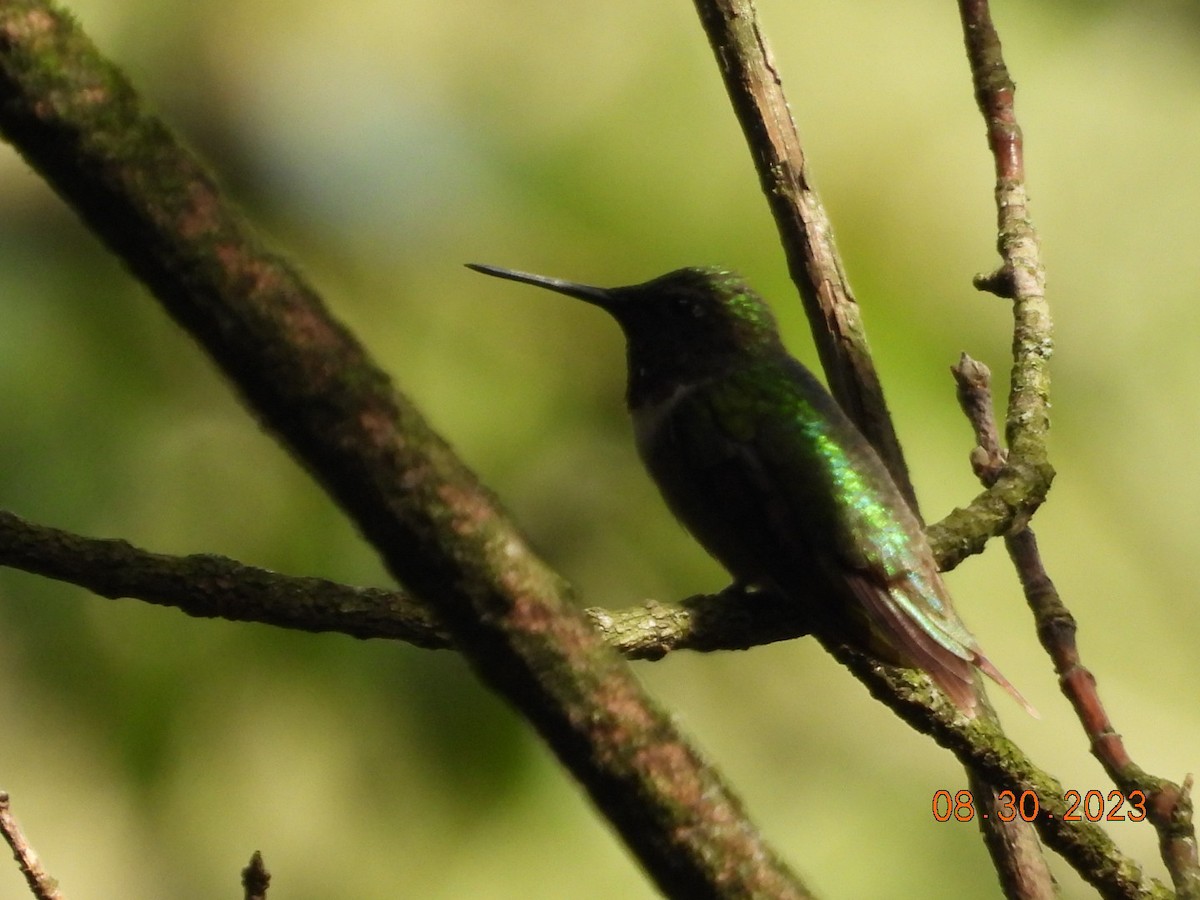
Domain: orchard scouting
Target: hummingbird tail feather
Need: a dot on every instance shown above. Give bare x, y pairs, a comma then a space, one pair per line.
950, 672
985, 666
898, 637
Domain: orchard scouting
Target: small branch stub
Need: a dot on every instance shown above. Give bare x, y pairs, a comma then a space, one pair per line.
1001, 283
255, 878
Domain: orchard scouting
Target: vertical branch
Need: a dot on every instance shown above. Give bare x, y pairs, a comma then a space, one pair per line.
756, 92
1021, 277
1013, 847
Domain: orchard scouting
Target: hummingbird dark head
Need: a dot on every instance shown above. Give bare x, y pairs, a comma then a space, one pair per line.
680, 327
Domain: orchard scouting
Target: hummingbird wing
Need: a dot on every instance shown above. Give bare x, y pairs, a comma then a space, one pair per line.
888, 616
953, 650
876, 555
770, 476
884, 557
882, 552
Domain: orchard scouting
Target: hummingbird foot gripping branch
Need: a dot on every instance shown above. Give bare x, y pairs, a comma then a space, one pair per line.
762, 466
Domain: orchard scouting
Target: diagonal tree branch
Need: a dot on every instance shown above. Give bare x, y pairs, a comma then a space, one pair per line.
77, 121
982, 747
209, 586
756, 90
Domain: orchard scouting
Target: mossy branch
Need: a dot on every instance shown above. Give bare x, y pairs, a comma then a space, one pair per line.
76, 120
214, 586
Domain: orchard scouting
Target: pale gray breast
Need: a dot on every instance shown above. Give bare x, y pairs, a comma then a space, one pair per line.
649, 417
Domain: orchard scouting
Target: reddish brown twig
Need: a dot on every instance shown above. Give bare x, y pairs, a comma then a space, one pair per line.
1025, 478
1168, 806
1022, 279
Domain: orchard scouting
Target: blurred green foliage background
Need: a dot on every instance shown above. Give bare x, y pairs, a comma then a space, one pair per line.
381, 146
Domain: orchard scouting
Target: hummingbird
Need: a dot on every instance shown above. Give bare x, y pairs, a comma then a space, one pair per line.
762, 466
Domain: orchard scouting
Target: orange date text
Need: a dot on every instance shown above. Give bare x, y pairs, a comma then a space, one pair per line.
1092, 806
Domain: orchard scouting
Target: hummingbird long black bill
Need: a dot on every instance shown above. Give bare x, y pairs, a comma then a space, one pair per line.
585, 292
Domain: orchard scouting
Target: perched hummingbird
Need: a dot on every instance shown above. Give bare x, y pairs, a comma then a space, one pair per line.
763, 467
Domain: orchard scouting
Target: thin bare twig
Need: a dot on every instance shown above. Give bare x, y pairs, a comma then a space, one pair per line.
1020, 277
1021, 272
1169, 805
40, 883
